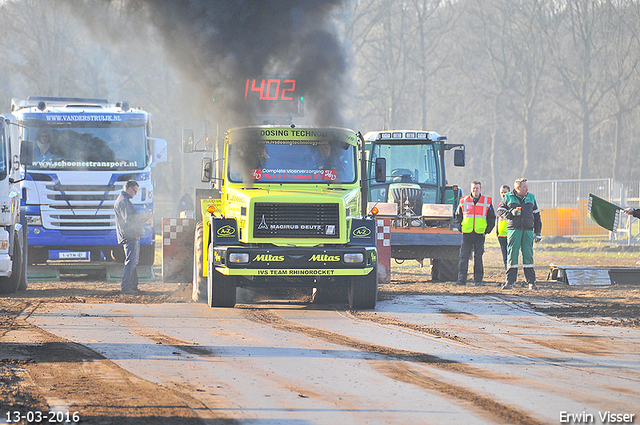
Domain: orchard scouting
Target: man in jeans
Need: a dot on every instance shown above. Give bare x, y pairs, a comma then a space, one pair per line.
476, 218
129, 229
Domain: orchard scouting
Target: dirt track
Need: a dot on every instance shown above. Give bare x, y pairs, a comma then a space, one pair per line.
38, 378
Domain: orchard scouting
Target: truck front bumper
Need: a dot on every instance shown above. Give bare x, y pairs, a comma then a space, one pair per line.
72, 239
294, 262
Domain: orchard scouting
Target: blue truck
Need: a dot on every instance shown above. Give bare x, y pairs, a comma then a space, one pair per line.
85, 149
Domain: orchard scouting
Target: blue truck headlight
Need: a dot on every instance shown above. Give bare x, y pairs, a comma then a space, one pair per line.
239, 257
354, 258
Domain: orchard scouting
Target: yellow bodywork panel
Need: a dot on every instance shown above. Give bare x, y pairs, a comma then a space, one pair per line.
204, 204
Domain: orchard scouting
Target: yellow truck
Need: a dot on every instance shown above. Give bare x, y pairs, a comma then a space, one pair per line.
289, 213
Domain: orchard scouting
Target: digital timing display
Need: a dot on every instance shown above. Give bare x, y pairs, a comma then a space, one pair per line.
274, 96
269, 89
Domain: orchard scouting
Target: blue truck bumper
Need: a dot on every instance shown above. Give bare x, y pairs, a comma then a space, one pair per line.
61, 239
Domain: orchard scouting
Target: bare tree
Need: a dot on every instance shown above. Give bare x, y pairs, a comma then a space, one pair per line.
534, 80
433, 21
624, 68
64, 48
512, 36
42, 46
579, 51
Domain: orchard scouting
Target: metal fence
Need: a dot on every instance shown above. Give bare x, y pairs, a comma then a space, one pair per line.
563, 205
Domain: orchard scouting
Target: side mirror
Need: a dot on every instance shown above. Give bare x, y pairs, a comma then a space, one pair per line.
205, 173
458, 157
26, 153
158, 150
187, 141
26, 158
381, 170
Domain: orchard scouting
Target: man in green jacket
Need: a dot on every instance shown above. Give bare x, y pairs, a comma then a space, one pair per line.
523, 228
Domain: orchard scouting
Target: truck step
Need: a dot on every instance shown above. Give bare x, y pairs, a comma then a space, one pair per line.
113, 271
145, 273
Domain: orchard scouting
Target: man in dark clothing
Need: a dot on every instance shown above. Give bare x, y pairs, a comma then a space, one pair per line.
129, 229
327, 159
186, 202
523, 228
476, 218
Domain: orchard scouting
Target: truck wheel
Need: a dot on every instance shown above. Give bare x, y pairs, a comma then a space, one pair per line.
221, 289
95, 255
22, 285
363, 291
444, 270
331, 293
434, 271
147, 254
199, 292
117, 254
11, 283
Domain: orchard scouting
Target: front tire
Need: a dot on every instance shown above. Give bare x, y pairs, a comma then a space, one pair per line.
24, 249
331, 293
11, 284
199, 291
22, 284
363, 291
221, 289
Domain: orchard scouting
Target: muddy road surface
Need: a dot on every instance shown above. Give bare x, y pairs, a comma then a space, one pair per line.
430, 353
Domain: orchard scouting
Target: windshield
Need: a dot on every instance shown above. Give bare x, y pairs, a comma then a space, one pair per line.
99, 146
407, 163
295, 161
413, 164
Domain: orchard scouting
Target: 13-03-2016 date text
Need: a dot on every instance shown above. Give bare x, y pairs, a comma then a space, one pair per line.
38, 416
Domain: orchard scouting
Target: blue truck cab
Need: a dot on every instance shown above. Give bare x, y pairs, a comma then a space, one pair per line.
85, 150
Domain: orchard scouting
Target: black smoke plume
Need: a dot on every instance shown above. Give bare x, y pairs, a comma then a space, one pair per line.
219, 44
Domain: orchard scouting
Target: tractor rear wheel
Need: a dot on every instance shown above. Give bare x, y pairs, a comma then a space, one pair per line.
444, 270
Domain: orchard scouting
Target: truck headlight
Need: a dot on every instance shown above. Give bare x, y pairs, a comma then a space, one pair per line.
34, 220
239, 257
4, 241
354, 258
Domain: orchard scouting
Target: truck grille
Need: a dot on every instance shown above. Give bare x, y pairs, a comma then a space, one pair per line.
290, 220
80, 207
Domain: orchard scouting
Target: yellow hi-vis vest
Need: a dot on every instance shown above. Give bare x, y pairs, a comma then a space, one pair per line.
475, 215
502, 227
